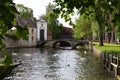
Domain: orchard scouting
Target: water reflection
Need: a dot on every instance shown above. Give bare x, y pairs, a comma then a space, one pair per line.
56, 64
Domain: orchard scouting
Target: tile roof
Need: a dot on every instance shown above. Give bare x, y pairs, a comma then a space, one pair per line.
30, 22
25, 21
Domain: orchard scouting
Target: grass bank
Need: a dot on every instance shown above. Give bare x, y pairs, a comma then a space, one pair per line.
108, 47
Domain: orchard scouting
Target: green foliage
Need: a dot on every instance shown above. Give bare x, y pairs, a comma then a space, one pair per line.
118, 30
44, 17
7, 61
99, 7
24, 12
21, 32
7, 21
49, 8
53, 24
13, 36
83, 28
1, 44
86, 27
7, 18
108, 47
95, 29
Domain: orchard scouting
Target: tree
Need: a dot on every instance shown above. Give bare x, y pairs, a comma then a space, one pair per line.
83, 28
118, 30
7, 21
98, 7
7, 17
53, 24
24, 12
115, 4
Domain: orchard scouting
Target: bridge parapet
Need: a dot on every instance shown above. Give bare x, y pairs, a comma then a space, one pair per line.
72, 43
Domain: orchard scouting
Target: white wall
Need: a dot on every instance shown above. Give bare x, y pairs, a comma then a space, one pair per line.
39, 27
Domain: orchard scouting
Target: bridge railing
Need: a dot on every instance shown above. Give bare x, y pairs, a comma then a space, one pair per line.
67, 40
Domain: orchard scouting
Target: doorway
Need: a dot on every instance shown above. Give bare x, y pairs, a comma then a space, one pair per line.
42, 35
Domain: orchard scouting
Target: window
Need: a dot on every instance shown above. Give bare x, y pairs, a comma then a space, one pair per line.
32, 38
42, 24
32, 31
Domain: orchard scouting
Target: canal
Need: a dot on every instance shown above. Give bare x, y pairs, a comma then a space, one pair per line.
56, 64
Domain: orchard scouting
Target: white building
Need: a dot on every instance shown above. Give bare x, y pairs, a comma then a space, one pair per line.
41, 30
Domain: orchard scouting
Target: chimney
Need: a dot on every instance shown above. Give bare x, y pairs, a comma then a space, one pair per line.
31, 15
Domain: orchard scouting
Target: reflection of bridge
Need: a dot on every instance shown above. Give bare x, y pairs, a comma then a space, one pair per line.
63, 42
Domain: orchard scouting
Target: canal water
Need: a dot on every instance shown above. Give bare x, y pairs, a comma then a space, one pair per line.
56, 64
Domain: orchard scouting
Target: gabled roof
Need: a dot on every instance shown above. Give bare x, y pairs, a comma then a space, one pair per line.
30, 22
25, 21
20, 21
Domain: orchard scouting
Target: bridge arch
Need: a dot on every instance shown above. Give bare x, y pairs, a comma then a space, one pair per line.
61, 43
78, 44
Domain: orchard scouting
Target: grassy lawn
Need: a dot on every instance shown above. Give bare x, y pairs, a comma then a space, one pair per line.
108, 47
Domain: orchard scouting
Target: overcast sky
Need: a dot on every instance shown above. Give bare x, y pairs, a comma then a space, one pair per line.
38, 7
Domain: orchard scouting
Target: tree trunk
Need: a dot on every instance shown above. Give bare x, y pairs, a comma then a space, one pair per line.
98, 18
101, 37
100, 34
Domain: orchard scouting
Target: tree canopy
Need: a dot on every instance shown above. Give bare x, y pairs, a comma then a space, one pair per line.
85, 27
8, 20
24, 11
99, 7
82, 28
53, 24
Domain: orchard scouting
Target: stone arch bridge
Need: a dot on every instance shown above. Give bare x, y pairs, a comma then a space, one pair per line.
63, 43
